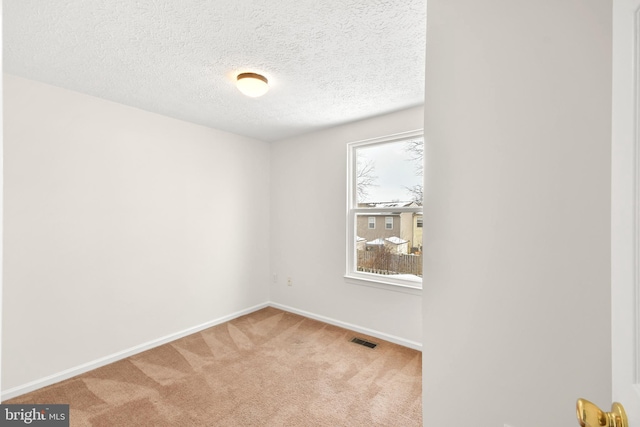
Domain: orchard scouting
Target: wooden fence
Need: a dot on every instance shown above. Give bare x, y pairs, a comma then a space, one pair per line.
384, 262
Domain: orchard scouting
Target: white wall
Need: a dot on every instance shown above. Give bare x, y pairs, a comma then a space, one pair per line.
517, 295
122, 227
308, 226
1, 186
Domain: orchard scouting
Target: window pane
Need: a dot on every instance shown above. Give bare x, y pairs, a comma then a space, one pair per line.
385, 210
395, 251
389, 172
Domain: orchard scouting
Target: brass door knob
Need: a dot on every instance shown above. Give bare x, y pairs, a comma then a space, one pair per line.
589, 415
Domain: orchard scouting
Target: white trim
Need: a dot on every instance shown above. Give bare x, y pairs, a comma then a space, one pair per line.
625, 211
352, 211
89, 366
387, 337
636, 210
95, 364
382, 282
390, 138
1, 193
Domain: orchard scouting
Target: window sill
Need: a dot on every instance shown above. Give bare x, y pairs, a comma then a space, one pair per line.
378, 281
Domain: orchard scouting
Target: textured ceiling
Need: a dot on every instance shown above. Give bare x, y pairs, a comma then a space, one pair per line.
328, 61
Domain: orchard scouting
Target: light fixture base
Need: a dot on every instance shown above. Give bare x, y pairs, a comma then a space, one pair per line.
252, 84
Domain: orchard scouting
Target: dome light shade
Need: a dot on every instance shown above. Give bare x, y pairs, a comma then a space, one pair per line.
252, 84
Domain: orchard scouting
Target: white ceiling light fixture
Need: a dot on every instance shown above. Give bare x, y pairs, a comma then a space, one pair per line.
252, 84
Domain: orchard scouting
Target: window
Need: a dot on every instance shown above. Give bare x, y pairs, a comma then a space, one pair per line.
385, 180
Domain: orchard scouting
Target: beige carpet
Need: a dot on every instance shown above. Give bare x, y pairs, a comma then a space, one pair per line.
268, 368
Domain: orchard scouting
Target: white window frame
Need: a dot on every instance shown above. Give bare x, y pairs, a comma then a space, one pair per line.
388, 223
371, 221
413, 286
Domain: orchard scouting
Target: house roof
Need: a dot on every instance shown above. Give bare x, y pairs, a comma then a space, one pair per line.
395, 240
396, 204
378, 241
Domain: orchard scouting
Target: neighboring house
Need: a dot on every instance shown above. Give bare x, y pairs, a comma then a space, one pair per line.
397, 245
379, 242
416, 228
406, 226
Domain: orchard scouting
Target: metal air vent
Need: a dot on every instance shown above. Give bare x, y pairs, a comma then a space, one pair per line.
364, 342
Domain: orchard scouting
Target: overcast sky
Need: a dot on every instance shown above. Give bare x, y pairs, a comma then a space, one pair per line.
394, 170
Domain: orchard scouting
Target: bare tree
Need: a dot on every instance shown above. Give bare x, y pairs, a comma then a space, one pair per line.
365, 178
377, 260
416, 193
415, 149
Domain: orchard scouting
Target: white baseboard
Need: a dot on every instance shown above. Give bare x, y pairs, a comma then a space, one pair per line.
86, 367
391, 338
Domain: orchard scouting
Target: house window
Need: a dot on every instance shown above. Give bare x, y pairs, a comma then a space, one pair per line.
385, 177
